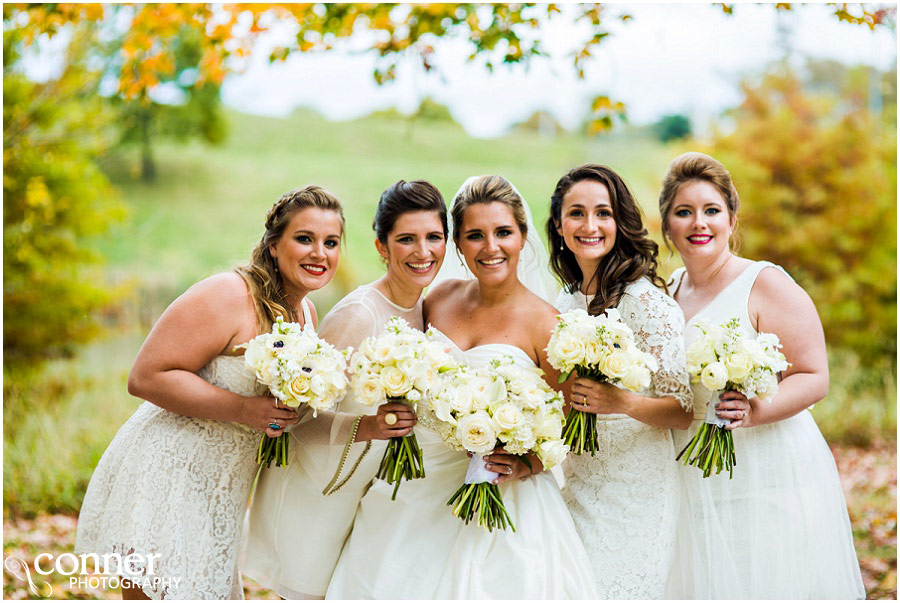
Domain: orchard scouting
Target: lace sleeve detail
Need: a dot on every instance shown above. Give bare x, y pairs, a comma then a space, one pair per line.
658, 326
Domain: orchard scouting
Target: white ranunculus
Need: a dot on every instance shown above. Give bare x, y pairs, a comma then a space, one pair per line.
616, 365
477, 432
548, 425
383, 352
714, 376
267, 373
700, 352
394, 381
768, 388
508, 417
739, 365
552, 453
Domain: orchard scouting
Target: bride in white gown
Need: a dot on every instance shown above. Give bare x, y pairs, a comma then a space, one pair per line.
414, 548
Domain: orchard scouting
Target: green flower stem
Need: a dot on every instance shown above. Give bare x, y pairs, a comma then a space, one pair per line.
402, 460
715, 450
483, 503
273, 449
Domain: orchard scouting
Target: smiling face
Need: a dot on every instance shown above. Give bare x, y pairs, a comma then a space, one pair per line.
490, 241
698, 222
414, 248
308, 251
587, 224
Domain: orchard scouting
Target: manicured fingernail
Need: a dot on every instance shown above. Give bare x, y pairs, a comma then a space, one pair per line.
717, 405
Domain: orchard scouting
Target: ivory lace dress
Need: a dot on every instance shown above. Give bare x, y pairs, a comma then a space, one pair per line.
779, 528
624, 500
177, 486
296, 533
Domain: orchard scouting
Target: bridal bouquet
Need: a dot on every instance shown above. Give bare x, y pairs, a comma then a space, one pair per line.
601, 348
298, 368
724, 359
399, 365
477, 410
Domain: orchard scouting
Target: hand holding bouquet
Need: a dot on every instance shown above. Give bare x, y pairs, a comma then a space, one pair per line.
298, 368
601, 348
725, 359
399, 365
477, 410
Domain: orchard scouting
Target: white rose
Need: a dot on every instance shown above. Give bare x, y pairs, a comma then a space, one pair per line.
383, 352
508, 417
616, 365
637, 378
267, 373
700, 352
594, 352
461, 399
714, 376
552, 453
477, 432
370, 393
739, 365
394, 381
318, 385
568, 351
548, 425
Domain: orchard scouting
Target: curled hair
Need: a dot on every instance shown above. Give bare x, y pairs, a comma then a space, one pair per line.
633, 254
488, 189
403, 197
695, 166
261, 274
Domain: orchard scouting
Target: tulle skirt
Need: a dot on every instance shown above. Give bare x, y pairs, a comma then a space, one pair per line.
414, 548
778, 530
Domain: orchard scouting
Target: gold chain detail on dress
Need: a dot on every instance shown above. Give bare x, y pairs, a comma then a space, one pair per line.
328, 489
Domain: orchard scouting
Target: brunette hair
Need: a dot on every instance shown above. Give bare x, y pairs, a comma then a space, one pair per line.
695, 166
261, 274
403, 197
488, 189
633, 254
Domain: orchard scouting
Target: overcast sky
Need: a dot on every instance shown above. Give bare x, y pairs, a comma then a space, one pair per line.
669, 58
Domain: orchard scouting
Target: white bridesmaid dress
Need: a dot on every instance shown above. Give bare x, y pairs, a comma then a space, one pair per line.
414, 548
779, 529
177, 487
624, 500
295, 532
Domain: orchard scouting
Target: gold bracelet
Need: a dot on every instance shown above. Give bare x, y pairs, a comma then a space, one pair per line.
350, 440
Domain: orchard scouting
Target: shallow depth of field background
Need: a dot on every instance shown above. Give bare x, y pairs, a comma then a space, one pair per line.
790, 133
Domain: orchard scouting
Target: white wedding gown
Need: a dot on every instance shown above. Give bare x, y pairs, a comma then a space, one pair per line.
297, 563
177, 487
624, 499
414, 548
779, 529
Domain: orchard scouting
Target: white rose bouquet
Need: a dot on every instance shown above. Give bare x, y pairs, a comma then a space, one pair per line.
724, 359
298, 368
601, 348
400, 365
477, 410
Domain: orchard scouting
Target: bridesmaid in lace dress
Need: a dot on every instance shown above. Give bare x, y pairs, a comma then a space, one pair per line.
623, 500
411, 236
779, 529
172, 486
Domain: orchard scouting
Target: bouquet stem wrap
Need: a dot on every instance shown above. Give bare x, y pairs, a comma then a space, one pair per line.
479, 499
402, 458
580, 432
713, 445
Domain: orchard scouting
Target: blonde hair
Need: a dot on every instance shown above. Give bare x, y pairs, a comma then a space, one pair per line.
488, 189
695, 166
261, 274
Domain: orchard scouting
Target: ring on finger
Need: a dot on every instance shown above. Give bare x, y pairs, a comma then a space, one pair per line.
390, 418
274, 424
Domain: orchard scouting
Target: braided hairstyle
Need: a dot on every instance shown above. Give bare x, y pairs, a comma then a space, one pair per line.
633, 254
261, 274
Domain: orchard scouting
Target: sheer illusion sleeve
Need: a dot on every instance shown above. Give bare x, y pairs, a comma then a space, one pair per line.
658, 326
319, 441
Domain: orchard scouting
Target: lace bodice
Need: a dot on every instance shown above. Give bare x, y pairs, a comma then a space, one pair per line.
658, 323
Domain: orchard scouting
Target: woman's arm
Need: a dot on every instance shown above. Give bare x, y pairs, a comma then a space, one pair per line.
782, 307
204, 322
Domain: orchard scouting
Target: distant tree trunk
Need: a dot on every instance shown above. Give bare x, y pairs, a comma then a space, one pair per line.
148, 166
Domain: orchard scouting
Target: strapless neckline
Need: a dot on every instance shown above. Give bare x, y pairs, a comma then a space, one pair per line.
513, 350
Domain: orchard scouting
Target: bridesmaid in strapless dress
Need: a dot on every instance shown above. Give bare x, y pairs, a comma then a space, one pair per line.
175, 480
779, 529
413, 547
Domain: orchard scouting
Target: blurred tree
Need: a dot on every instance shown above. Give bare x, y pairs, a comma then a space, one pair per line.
672, 127
54, 197
817, 176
